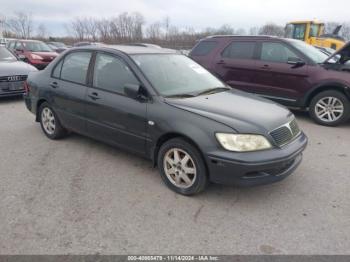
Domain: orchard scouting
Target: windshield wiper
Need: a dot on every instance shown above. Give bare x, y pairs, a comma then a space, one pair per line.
180, 96
213, 90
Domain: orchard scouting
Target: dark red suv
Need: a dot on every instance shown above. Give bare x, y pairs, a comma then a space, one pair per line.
288, 71
34, 52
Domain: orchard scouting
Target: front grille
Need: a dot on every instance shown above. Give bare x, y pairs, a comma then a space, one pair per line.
12, 83
286, 133
12, 86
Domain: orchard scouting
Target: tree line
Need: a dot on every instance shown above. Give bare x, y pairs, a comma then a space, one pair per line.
132, 28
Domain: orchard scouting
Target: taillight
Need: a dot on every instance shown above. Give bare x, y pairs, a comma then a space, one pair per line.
26, 87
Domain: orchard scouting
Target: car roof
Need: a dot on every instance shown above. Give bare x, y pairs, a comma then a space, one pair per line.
130, 49
243, 36
247, 38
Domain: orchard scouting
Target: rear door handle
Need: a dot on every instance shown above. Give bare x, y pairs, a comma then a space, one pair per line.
94, 96
54, 84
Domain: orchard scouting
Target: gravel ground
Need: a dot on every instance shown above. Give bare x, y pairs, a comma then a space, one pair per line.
78, 196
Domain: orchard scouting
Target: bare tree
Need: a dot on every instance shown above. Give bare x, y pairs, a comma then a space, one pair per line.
127, 27
154, 31
240, 31
272, 29
20, 24
225, 29
2, 24
41, 31
330, 26
78, 28
254, 30
90, 28
166, 24
103, 29
345, 31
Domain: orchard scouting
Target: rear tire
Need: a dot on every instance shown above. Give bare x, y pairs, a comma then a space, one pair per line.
330, 108
182, 167
50, 123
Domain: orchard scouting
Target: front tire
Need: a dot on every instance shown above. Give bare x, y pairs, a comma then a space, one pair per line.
330, 108
182, 167
50, 123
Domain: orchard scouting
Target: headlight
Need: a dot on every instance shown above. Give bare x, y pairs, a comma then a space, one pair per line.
243, 143
36, 57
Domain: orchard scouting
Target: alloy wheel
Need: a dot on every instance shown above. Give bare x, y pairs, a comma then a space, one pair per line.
48, 121
179, 168
329, 109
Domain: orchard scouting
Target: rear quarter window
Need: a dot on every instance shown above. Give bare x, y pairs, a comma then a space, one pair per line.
204, 48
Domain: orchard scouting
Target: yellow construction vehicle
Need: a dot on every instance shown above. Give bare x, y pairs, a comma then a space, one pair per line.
312, 32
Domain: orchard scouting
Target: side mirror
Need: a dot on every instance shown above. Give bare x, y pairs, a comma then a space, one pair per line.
135, 91
296, 62
19, 50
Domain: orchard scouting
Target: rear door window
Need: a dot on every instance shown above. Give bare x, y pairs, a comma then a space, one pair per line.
75, 67
240, 50
204, 48
277, 52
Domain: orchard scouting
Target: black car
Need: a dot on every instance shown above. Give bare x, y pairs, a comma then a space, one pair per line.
13, 73
166, 107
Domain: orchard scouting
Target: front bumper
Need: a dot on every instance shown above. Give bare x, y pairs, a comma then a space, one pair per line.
256, 168
12, 93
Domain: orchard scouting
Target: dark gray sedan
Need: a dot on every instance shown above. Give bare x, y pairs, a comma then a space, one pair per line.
13, 73
166, 107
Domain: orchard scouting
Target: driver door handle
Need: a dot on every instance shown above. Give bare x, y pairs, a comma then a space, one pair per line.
54, 84
265, 67
221, 62
94, 96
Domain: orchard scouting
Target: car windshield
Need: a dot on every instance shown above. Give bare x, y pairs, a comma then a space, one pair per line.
311, 52
37, 47
176, 75
6, 55
58, 44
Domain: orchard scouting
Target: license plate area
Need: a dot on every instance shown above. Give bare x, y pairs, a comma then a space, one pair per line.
16, 86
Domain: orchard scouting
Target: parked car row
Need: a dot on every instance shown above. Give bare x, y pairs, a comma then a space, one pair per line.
34, 52
288, 71
183, 115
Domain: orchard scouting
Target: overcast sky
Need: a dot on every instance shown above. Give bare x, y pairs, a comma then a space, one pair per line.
198, 14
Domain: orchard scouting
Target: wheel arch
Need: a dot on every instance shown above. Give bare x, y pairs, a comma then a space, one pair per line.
324, 87
38, 104
168, 136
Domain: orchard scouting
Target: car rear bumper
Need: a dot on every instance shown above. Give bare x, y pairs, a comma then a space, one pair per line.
256, 168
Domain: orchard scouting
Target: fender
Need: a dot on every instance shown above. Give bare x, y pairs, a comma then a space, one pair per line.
326, 85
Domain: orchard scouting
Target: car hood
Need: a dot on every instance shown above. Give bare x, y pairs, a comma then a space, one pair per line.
241, 111
343, 52
15, 68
